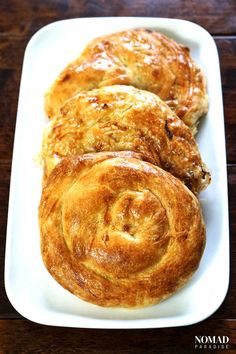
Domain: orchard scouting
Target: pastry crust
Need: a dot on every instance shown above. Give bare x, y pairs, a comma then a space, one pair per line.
145, 59
119, 118
118, 231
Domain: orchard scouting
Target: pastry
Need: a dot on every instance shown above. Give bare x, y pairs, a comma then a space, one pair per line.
120, 117
142, 58
119, 231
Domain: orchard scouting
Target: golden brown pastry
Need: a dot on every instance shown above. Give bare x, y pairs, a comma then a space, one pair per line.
119, 118
145, 59
118, 231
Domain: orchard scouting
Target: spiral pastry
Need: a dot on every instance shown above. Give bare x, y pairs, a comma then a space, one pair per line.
119, 117
118, 231
145, 59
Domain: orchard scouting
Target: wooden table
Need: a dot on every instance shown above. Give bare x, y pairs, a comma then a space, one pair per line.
19, 20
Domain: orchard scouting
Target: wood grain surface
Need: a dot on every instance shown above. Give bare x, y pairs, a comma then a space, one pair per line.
32, 338
19, 20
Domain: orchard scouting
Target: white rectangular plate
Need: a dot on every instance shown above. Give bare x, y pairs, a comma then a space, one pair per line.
30, 288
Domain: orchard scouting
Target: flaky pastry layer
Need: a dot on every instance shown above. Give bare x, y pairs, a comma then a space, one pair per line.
120, 117
118, 231
145, 59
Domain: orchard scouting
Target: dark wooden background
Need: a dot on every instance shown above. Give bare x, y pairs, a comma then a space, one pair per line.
19, 20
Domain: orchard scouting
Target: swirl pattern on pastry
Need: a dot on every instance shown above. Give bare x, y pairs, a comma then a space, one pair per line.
120, 117
119, 231
145, 59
